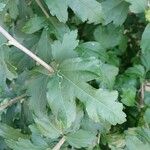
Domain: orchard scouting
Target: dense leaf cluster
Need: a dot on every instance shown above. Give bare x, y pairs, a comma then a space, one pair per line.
98, 97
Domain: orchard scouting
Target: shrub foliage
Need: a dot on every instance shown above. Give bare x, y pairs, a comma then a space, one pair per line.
97, 94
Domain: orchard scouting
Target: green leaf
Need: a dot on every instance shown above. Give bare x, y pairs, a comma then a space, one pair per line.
58, 28
116, 141
23, 144
115, 10
128, 96
81, 138
146, 47
147, 15
2, 6
61, 96
63, 50
145, 40
47, 127
3, 40
108, 36
95, 127
137, 71
98, 102
100, 105
34, 24
43, 49
90, 49
107, 80
61, 101
7, 71
147, 115
58, 8
36, 89
138, 6
8, 132
132, 142
37, 138
13, 8
87, 10
145, 60
138, 138
147, 98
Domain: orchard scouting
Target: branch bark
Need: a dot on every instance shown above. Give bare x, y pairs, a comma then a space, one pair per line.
15, 43
11, 102
59, 144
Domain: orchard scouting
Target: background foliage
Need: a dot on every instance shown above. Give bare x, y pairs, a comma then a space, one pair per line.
98, 96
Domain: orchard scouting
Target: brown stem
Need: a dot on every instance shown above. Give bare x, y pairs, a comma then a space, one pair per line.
12, 101
15, 43
59, 144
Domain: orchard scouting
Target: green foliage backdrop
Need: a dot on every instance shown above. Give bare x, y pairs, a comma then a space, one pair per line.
98, 95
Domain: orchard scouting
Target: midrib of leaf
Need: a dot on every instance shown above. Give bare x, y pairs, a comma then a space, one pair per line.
62, 100
83, 72
88, 94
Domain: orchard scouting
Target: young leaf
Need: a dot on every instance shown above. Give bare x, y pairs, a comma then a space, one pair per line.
115, 10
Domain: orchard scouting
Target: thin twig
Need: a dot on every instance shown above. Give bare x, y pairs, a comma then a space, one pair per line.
59, 144
42, 8
142, 95
15, 43
11, 102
